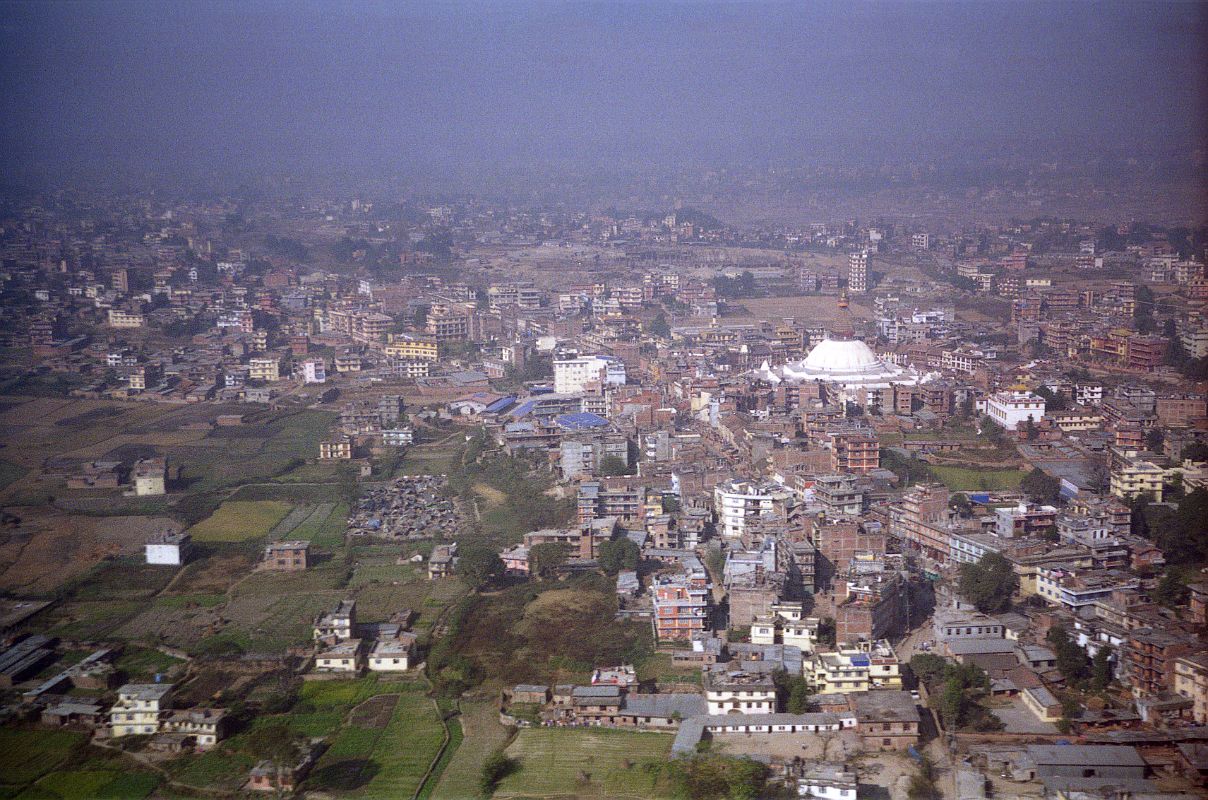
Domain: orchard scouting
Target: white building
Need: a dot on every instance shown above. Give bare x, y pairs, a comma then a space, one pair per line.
1010, 409
171, 549
393, 655
573, 374
739, 693
737, 501
857, 272
314, 371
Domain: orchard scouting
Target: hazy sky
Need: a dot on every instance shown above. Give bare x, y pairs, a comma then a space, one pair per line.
317, 85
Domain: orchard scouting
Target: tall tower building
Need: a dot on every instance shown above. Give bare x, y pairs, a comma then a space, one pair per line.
857, 272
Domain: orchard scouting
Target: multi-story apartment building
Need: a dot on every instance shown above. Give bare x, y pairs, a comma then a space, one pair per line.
920, 520
595, 501
855, 451
728, 692
1132, 474
737, 501
1148, 660
574, 374
681, 605
264, 368
120, 318
857, 271
872, 666
139, 708
411, 348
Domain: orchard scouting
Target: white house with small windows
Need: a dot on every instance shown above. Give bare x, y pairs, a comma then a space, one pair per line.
345, 656
394, 654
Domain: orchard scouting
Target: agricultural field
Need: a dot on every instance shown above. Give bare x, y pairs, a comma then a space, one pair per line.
32, 767
582, 763
965, 479
240, 520
483, 734
375, 754
47, 548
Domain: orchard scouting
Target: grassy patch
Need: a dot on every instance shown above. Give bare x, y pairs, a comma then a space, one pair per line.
561, 763
964, 479
143, 663
26, 755
239, 521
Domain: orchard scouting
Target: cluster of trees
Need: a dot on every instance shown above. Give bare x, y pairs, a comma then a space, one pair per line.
660, 327
713, 776
908, 469
1073, 663
792, 691
955, 690
1181, 532
990, 583
1040, 487
1053, 401
618, 554
742, 286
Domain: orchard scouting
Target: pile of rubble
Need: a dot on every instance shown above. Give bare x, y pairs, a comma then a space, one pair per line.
413, 507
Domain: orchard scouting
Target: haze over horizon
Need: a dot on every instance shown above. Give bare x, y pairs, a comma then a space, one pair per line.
432, 88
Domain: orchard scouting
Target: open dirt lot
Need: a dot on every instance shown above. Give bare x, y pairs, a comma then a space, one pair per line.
48, 548
809, 309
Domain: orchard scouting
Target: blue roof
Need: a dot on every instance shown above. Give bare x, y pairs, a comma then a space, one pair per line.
524, 409
582, 420
500, 404
860, 661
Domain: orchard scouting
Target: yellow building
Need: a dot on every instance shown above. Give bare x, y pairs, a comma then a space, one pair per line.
120, 318
264, 369
410, 349
1191, 681
873, 666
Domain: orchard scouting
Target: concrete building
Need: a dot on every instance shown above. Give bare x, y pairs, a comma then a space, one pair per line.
138, 709
574, 374
738, 501
170, 549
1008, 410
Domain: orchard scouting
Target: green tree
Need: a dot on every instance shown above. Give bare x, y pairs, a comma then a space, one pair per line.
1030, 432
479, 566
923, 781
618, 554
1170, 591
1071, 659
546, 559
989, 583
659, 326
1154, 439
952, 703
928, 667
1101, 668
1040, 487
799, 697
613, 465
961, 505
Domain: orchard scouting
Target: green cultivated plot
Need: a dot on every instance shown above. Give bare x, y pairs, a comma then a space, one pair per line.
966, 479
240, 520
559, 762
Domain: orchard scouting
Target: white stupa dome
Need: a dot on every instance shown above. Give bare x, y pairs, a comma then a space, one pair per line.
843, 357
847, 363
